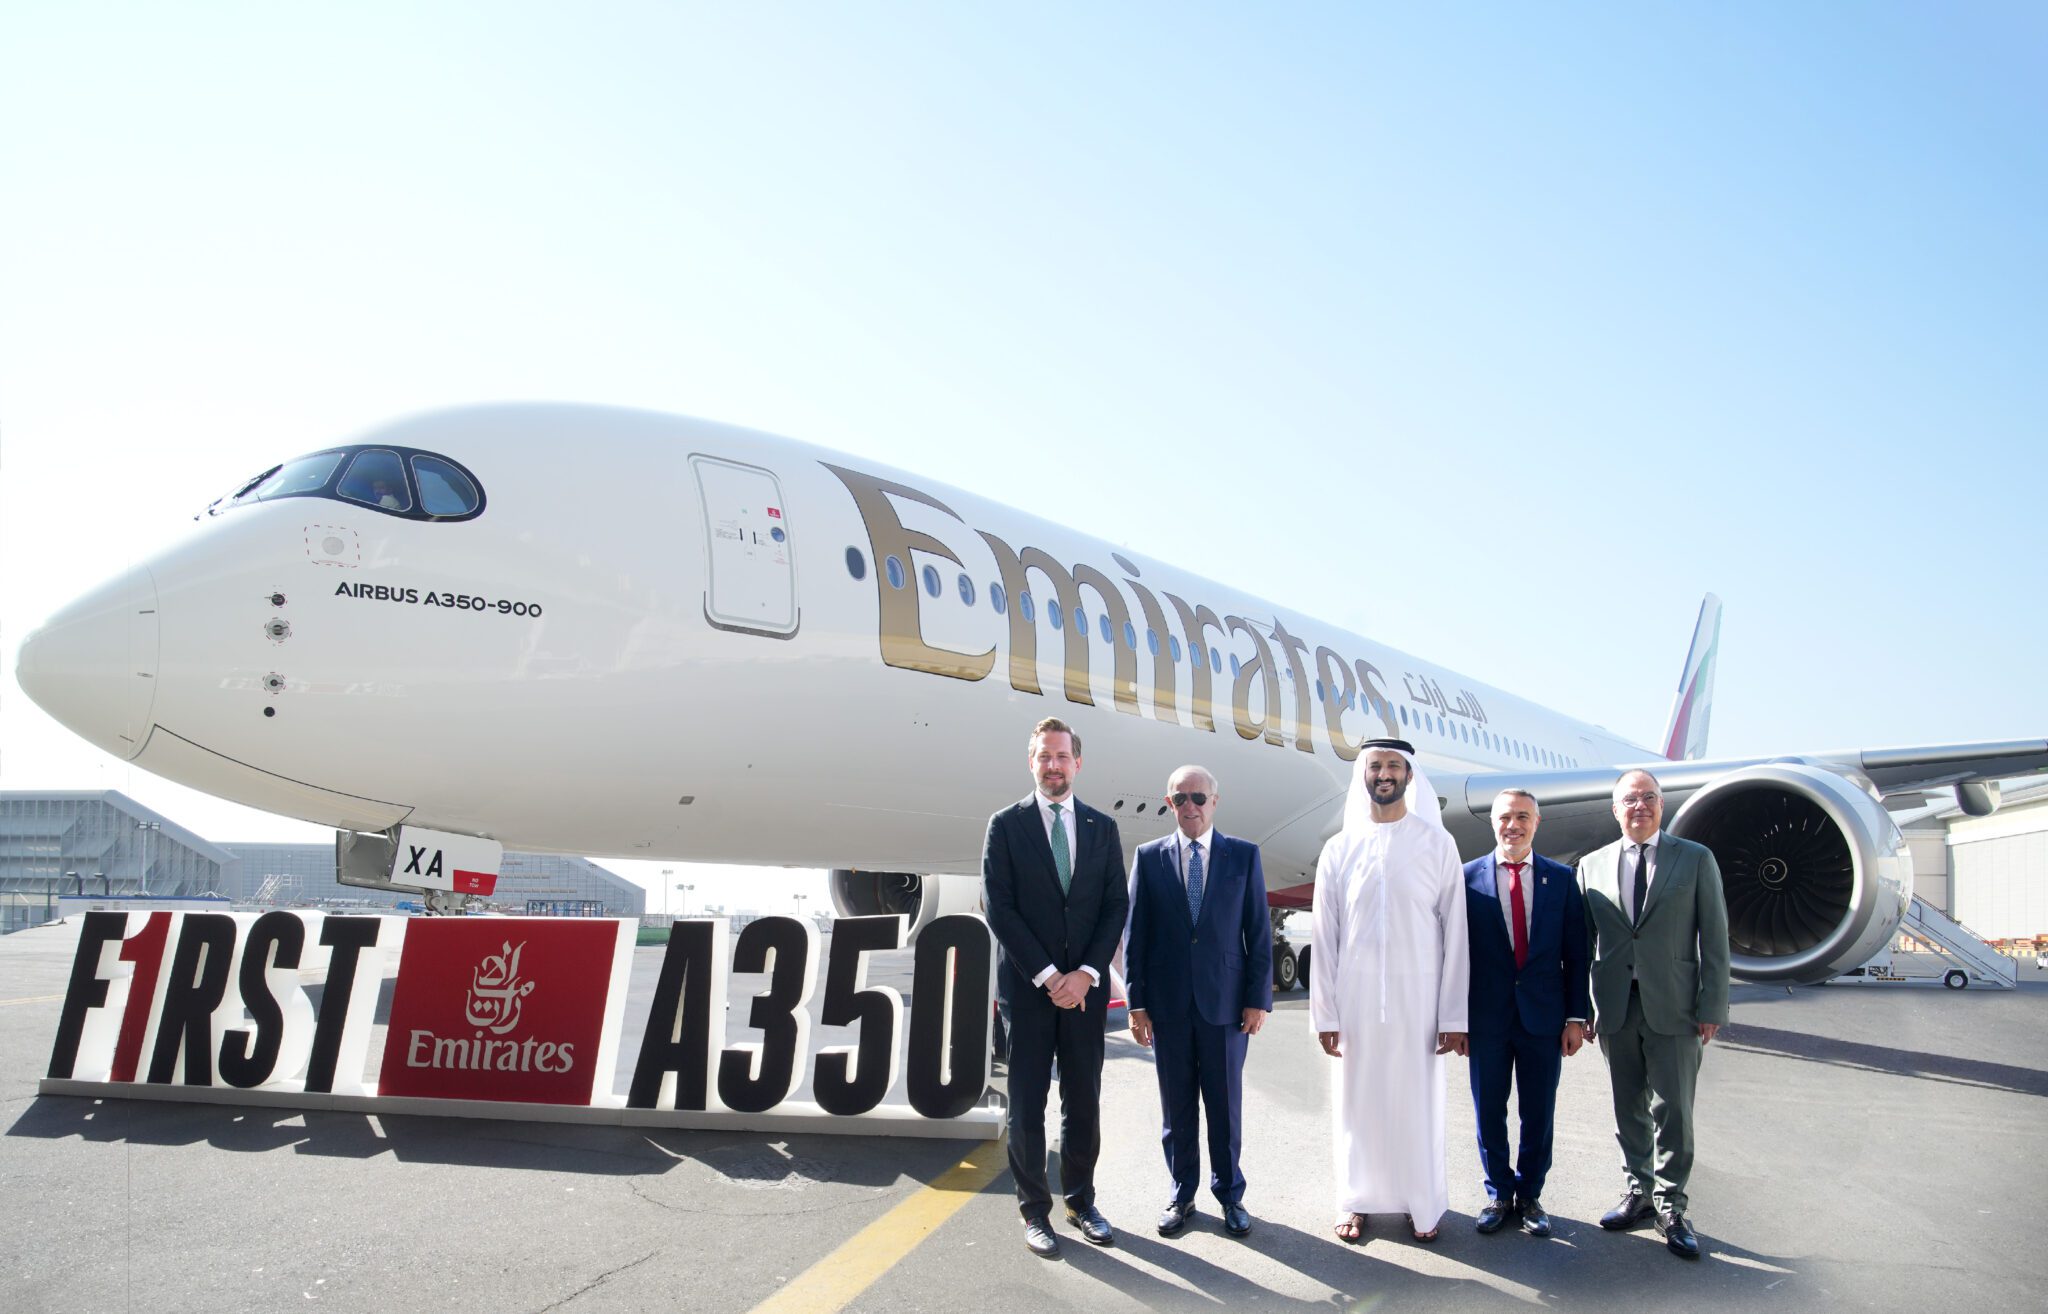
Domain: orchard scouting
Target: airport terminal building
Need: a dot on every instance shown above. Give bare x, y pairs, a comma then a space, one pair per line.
61, 842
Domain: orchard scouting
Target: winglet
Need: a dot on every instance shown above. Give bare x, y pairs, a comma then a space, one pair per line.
1685, 739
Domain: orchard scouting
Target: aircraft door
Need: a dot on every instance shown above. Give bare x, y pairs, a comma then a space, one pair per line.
750, 572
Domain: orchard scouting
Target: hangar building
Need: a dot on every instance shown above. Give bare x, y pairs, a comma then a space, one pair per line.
61, 842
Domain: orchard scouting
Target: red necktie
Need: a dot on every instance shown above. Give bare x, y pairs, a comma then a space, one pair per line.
1515, 909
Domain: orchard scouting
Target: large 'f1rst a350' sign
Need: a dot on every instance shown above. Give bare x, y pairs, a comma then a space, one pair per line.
525, 1010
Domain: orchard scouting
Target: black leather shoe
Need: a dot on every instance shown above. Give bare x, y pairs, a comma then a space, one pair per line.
1235, 1220
1534, 1221
1493, 1217
1039, 1239
1175, 1216
1632, 1209
1678, 1235
1094, 1227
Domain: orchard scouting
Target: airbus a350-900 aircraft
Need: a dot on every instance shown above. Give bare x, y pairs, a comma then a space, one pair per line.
612, 632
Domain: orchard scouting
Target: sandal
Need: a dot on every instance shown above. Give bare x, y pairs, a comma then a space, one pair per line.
1351, 1229
1425, 1237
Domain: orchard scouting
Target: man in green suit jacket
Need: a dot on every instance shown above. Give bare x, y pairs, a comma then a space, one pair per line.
1658, 928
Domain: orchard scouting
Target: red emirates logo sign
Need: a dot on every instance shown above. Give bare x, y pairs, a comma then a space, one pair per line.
499, 1008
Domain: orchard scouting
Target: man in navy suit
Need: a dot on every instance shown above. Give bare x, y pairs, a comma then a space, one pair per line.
1053, 878
1529, 1003
1199, 976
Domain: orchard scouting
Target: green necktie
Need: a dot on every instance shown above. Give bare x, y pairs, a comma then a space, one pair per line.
1061, 859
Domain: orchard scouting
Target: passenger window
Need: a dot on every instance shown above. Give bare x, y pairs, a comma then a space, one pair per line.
376, 478
444, 490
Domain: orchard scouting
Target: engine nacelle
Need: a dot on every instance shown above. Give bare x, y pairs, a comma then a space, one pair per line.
1816, 873
922, 899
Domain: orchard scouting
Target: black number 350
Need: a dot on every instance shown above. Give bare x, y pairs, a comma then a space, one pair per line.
683, 1050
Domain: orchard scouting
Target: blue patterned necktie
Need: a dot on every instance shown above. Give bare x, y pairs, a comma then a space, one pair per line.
1194, 881
1062, 860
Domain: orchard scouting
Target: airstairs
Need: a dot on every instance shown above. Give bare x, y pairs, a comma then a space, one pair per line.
1975, 962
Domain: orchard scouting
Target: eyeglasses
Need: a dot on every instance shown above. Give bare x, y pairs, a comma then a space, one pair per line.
1639, 800
1199, 800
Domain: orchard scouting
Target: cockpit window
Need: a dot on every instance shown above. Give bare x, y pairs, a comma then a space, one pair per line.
397, 481
444, 489
292, 479
376, 478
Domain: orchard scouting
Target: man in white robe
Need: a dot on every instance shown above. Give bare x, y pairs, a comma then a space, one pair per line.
1389, 986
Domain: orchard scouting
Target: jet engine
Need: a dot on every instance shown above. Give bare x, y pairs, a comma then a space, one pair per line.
920, 898
1815, 872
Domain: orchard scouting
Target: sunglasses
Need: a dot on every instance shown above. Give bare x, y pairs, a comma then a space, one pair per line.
1199, 800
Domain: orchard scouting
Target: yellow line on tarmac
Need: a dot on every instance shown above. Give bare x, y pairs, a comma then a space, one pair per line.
831, 1284
34, 999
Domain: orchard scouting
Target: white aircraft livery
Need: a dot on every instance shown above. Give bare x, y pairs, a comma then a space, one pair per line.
600, 631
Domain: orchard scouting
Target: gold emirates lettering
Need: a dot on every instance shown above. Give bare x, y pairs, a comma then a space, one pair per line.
903, 644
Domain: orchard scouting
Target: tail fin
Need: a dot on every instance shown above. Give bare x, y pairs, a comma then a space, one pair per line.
1685, 739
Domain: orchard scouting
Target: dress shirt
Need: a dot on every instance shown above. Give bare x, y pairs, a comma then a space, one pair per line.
1628, 872
1207, 839
1500, 890
1066, 819
1628, 877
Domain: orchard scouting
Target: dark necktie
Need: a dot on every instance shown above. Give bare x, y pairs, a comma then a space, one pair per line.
1642, 880
1517, 915
1194, 881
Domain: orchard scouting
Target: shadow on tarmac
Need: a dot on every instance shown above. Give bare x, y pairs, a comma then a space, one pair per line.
1883, 1058
747, 1159
1558, 1272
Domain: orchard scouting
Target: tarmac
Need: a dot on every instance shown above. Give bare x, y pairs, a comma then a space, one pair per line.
1881, 1146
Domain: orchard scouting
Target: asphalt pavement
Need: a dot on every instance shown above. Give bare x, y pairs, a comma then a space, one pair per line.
1867, 1146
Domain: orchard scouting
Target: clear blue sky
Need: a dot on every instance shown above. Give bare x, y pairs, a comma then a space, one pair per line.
1496, 332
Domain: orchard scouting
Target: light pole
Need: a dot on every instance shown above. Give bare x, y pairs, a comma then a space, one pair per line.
685, 887
142, 879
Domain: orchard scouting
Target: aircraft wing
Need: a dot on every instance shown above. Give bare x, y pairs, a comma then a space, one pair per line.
1889, 771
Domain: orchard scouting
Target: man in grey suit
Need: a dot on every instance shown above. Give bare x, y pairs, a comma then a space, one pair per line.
1658, 928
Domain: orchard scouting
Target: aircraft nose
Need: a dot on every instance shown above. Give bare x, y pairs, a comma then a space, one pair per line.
92, 666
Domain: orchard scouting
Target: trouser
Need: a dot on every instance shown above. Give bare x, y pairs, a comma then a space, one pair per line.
1652, 1077
1200, 1067
1532, 1065
1039, 1033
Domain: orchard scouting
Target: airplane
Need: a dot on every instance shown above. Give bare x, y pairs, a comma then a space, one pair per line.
603, 631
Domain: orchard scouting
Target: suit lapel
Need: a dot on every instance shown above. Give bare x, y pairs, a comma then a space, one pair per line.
1494, 897
1166, 877
1033, 822
1487, 886
1670, 866
1605, 867
1543, 898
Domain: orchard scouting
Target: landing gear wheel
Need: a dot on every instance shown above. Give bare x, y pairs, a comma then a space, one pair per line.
1286, 973
1301, 969
1954, 979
